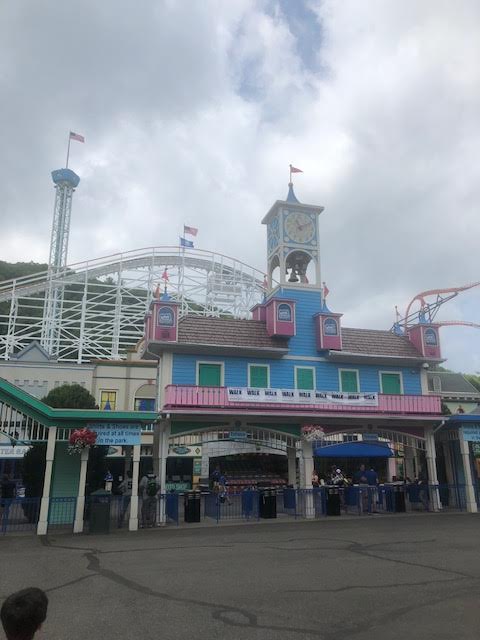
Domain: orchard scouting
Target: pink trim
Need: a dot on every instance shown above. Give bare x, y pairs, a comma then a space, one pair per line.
216, 397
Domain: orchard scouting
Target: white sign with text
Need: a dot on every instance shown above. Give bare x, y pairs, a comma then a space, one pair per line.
300, 396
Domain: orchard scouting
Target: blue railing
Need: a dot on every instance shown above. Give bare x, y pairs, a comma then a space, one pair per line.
61, 513
19, 514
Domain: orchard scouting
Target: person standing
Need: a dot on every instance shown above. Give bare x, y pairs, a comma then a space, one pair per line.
7, 494
223, 490
125, 489
148, 490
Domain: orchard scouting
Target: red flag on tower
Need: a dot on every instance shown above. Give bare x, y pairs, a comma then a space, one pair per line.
295, 170
326, 290
165, 276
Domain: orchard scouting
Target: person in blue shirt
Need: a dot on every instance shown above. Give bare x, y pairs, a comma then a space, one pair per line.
372, 477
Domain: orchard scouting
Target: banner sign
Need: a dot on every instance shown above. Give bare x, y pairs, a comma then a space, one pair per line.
114, 434
300, 396
471, 433
182, 451
13, 452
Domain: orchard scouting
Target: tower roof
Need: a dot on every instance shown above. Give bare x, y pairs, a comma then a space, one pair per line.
291, 197
65, 176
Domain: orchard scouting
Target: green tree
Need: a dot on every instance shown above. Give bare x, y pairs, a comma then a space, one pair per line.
70, 396
473, 379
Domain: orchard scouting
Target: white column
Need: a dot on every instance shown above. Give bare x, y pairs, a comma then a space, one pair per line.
133, 520
160, 453
292, 466
467, 471
42, 526
431, 457
306, 479
78, 524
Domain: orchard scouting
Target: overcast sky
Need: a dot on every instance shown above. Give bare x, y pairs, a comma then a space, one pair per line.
192, 111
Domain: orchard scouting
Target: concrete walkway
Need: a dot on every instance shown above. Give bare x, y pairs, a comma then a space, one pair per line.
391, 578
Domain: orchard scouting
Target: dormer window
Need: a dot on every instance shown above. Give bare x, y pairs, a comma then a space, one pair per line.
284, 313
330, 327
431, 338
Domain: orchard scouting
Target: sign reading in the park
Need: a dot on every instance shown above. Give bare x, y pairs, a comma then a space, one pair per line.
114, 434
300, 396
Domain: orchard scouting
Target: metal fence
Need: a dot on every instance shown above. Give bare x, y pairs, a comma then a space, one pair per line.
108, 513
61, 513
19, 514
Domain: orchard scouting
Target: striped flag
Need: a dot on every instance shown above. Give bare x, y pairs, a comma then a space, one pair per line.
76, 136
190, 230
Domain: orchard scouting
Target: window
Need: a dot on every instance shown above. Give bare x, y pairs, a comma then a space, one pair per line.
210, 374
144, 404
437, 384
108, 400
258, 375
391, 383
330, 327
284, 312
349, 380
430, 337
304, 377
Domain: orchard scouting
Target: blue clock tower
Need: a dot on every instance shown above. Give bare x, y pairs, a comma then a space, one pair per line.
293, 246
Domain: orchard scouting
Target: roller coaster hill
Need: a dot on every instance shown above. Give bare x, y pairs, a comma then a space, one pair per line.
99, 305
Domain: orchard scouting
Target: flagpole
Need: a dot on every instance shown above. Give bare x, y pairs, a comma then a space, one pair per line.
68, 150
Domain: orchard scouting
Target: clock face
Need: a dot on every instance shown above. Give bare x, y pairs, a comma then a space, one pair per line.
300, 227
273, 234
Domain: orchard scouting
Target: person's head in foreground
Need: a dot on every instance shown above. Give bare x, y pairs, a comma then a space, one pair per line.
23, 613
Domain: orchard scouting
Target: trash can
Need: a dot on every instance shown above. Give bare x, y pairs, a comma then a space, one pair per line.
247, 502
192, 506
100, 511
333, 502
289, 498
399, 499
267, 502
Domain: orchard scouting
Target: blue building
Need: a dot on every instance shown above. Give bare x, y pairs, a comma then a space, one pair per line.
292, 378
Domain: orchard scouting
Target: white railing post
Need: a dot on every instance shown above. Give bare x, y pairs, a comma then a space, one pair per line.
133, 520
78, 524
42, 526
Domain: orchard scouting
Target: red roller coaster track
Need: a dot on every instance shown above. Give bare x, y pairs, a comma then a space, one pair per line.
428, 310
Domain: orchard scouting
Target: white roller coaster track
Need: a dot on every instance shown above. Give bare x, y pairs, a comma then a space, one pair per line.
105, 300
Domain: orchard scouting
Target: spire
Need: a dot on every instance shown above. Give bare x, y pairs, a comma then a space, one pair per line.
291, 197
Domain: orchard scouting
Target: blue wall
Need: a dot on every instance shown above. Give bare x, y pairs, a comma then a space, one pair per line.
282, 373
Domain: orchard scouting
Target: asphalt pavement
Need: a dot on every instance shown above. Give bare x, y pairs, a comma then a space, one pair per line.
389, 577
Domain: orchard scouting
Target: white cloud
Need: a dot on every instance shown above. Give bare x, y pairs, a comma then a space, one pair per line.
192, 112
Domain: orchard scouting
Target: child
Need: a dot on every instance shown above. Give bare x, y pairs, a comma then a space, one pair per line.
23, 613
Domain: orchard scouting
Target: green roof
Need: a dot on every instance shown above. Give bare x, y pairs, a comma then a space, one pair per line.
68, 418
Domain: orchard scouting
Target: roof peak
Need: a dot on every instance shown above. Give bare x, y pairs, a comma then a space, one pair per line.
291, 197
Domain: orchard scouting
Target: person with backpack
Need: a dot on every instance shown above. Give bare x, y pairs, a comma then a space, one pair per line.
148, 490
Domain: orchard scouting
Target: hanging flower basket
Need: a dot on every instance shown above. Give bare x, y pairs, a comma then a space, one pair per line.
81, 439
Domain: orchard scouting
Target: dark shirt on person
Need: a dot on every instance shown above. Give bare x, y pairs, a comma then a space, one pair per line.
8, 489
372, 477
